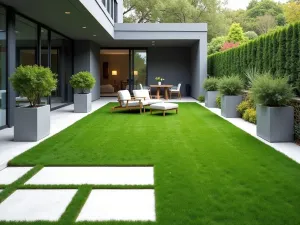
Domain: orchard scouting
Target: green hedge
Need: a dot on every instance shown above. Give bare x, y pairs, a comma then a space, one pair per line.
278, 52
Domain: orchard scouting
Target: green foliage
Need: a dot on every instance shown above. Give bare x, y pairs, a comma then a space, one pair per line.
216, 44
83, 81
277, 52
33, 82
218, 101
201, 98
211, 84
236, 33
250, 115
243, 106
270, 91
297, 131
264, 7
251, 35
232, 85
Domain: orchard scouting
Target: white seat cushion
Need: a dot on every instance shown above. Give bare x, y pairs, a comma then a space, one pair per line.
164, 106
141, 94
124, 95
152, 101
132, 103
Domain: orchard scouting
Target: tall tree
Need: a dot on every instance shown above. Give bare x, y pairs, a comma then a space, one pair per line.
265, 7
292, 11
265, 23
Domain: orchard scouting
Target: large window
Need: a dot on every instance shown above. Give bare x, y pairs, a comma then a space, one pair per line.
3, 90
26, 41
61, 64
115, 11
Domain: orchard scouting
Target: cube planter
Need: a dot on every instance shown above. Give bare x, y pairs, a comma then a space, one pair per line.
31, 124
82, 103
275, 124
229, 104
210, 99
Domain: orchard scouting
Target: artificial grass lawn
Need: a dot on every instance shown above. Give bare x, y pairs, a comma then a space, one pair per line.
207, 171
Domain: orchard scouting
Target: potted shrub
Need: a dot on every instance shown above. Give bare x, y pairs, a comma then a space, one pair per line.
211, 87
32, 123
230, 89
275, 120
82, 82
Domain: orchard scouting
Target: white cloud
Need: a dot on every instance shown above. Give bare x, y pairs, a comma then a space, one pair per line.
242, 4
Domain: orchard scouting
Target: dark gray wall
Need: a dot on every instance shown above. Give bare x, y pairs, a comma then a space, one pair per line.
173, 64
86, 58
95, 69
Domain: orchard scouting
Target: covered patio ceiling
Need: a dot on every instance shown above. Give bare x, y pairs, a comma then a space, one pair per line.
52, 13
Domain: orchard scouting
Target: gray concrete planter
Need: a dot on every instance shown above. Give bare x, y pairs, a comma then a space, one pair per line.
82, 103
31, 124
210, 99
229, 105
275, 124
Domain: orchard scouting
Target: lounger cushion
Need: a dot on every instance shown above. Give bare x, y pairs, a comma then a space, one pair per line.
131, 103
164, 106
141, 94
152, 101
124, 95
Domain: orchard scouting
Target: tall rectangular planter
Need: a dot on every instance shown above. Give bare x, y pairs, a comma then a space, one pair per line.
210, 99
82, 103
275, 124
229, 105
31, 124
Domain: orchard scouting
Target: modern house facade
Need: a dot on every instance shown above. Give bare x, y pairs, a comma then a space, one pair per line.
89, 35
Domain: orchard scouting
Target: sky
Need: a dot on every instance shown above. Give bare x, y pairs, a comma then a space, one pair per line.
242, 4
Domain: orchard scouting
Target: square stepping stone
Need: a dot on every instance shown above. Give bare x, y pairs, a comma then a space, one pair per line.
11, 174
94, 175
33, 205
106, 205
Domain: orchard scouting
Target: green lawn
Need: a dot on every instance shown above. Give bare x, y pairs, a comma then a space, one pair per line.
207, 171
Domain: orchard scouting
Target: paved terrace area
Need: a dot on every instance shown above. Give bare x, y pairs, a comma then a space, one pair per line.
64, 117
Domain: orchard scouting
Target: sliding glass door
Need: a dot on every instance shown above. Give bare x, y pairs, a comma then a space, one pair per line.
138, 69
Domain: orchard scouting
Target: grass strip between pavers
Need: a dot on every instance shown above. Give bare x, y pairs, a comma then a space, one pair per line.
71, 213
15, 185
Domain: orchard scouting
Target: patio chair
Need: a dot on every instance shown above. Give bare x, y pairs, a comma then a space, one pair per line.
175, 90
126, 102
144, 95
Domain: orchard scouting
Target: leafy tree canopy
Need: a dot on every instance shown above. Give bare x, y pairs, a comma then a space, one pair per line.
292, 11
264, 7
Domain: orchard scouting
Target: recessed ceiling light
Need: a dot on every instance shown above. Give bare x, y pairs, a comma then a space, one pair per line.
94, 35
83, 27
68, 13
153, 42
16, 32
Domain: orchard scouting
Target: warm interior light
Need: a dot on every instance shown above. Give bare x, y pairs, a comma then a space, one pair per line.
136, 73
83, 27
114, 73
68, 13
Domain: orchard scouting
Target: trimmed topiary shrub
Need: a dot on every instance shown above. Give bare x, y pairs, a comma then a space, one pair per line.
211, 84
201, 98
33, 82
83, 81
269, 91
232, 85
